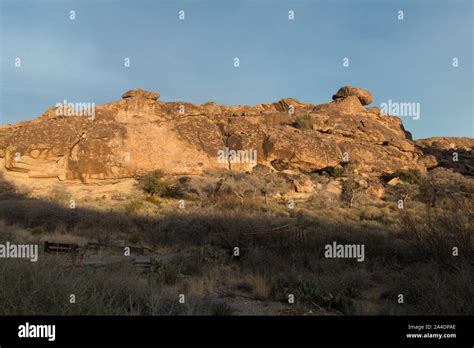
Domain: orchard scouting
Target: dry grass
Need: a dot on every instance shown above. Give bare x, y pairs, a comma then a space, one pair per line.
261, 289
408, 251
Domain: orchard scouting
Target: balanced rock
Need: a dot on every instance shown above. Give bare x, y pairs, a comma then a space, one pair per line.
140, 93
364, 96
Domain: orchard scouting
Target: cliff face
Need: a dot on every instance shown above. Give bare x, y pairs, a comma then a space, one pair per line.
140, 133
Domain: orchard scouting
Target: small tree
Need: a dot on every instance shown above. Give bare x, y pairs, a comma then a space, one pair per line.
153, 183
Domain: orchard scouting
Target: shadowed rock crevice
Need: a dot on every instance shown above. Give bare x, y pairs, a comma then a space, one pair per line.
454, 153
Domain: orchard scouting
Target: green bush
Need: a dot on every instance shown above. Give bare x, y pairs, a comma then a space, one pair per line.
222, 309
210, 253
304, 122
153, 183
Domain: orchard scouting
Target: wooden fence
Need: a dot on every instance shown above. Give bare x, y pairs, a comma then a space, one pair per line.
60, 248
67, 248
285, 236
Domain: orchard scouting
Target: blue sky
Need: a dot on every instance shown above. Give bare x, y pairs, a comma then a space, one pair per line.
192, 60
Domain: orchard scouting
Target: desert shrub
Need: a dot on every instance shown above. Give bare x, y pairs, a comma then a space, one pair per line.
133, 238
168, 271
133, 206
240, 184
228, 189
334, 172
304, 122
431, 290
412, 176
449, 181
153, 183
152, 200
372, 213
427, 192
59, 194
51, 216
193, 188
349, 189
326, 291
258, 285
222, 309
319, 178
274, 183
339, 302
37, 231
434, 232
442, 184
43, 288
210, 253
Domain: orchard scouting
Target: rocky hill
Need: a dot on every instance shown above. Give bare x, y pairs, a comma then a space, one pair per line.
139, 133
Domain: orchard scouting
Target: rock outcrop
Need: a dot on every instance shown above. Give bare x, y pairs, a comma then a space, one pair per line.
363, 95
456, 153
141, 93
140, 133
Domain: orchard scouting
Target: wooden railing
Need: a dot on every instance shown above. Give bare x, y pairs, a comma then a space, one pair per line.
60, 248
282, 236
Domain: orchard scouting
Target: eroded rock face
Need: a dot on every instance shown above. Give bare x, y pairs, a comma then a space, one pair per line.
139, 133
